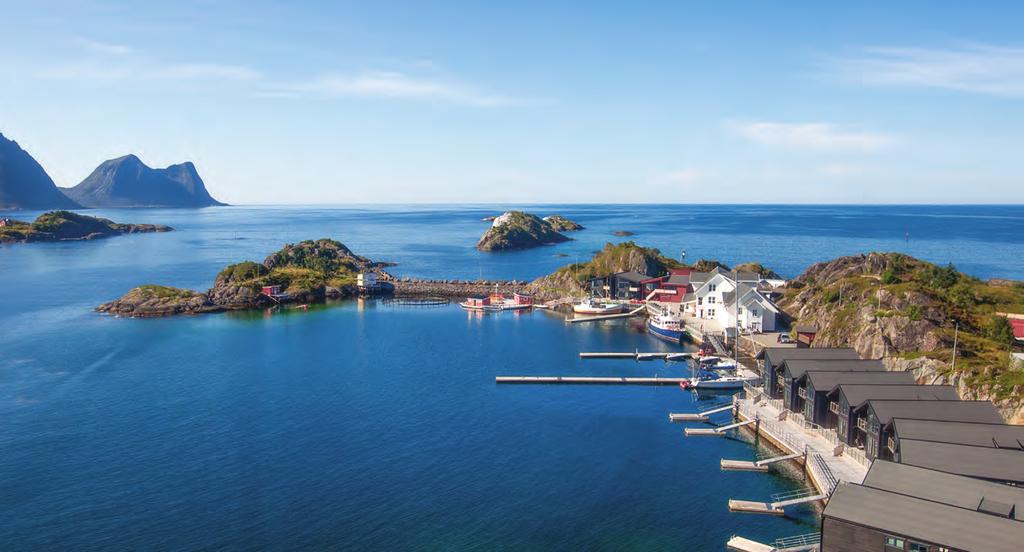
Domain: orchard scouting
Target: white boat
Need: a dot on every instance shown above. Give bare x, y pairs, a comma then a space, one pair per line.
596, 307
666, 326
722, 382
676, 357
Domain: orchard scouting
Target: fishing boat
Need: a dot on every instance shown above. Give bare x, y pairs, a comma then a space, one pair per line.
595, 307
667, 326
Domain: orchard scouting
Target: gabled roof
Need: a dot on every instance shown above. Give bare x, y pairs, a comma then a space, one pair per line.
698, 279
856, 395
957, 411
938, 486
963, 433
678, 279
777, 355
1005, 465
796, 367
924, 520
827, 380
630, 276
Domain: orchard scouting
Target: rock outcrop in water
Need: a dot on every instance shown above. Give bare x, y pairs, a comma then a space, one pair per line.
904, 310
128, 182
518, 230
69, 226
561, 224
23, 182
307, 272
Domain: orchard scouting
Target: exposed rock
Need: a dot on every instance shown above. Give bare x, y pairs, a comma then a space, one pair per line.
562, 224
128, 182
154, 301
23, 182
68, 226
572, 280
757, 268
518, 230
622, 233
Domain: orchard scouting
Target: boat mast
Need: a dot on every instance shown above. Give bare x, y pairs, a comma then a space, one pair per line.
736, 313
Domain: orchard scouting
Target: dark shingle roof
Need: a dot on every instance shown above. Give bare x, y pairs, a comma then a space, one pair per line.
823, 380
777, 355
938, 486
957, 411
806, 328
678, 279
630, 276
796, 368
962, 433
924, 520
984, 462
856, 394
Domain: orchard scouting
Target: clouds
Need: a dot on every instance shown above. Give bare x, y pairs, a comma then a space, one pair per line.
393, 85
976, 68
815, 136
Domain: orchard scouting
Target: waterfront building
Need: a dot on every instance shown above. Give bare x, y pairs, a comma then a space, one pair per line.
272, 291
770, 359
875, 416
621, 285
906, 508
793, 370
733, 299
818, 384
852, 401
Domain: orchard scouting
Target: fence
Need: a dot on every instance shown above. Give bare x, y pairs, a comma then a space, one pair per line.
822, 473
858, 455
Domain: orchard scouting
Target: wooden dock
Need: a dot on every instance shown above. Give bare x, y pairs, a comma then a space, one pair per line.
638, 355
596, 380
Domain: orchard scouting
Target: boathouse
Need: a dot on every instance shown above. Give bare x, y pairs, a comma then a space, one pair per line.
875, 417
817, 386
770, 358
621, 285
272, 291
852, 401
906, 508
979, 434
991, 464
477, 302
793, 370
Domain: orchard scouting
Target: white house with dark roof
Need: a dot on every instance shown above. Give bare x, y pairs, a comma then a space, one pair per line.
715, 295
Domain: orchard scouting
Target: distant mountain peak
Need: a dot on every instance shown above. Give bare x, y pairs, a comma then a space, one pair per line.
128, 182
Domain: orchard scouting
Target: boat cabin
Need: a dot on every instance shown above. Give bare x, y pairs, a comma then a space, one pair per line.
478, 302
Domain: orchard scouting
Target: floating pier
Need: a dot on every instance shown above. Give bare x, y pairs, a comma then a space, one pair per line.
759, 465
693, 431
799, 543
740, 544
698, 417
598, 380
779, 502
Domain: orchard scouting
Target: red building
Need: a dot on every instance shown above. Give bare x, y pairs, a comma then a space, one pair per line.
678, 281
1018, 328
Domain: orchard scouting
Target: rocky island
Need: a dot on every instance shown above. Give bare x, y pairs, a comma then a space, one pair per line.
520, 230
305, 272
909, 312
68, 226
572, 280
562, 224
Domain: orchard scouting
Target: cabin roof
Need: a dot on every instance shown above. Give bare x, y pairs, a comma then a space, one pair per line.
631, 276
795, 367
825, 380
858, 394
678, 280
926, 520
963, 433
958, 411
805, 328
971, 461
940, 486
777, 355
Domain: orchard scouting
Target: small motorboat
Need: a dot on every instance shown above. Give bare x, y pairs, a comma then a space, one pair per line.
593, 306
647, 356
678, 357
712, 380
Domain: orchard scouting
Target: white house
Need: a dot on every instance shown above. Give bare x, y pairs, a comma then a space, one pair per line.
715, 298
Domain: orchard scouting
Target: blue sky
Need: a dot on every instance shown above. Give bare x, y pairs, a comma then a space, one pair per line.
710, 102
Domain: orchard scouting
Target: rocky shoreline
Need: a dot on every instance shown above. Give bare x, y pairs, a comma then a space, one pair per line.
56, 226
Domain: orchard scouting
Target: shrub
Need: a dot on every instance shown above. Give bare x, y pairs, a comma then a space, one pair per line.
889, 277
832, 296
961, 295
914, 312
942, 277
1000, 330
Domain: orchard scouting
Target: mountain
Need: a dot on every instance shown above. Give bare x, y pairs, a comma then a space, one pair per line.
24, 184
128, 182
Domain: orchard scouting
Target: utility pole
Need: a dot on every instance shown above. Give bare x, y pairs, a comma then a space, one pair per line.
736, 312
956, 332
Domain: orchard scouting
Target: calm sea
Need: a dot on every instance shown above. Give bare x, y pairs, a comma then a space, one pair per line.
366, 426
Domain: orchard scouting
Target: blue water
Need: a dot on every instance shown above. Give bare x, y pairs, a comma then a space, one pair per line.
365, 426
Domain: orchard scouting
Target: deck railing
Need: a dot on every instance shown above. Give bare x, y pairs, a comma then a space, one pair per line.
822, 473
858, 455
808, 539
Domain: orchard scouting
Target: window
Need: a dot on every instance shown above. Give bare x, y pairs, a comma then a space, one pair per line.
700, 300
894, 542
755, 312
919, 547
711, 287
711, 313
802, 393
892, 444
711, 299
862, 424
833, 407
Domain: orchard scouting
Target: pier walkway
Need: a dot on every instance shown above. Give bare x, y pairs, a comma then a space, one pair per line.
600, 380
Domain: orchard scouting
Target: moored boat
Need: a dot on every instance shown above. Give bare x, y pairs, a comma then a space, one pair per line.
592, 306
497, 302
668, 327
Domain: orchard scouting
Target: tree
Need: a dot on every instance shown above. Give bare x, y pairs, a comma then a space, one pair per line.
944, 277
1000, 330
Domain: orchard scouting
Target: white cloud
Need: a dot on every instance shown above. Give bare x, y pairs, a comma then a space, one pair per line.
394, 85
813, 136
144, 70
978, 68
105, 47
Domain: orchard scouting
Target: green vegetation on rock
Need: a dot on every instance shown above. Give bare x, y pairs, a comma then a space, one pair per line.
67, 225
561, 224
572, 279
518, 230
